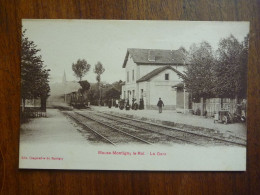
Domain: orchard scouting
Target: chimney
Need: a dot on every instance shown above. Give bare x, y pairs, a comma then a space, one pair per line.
172, 59
151, 56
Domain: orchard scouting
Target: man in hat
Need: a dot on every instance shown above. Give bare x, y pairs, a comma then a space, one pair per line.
160, 104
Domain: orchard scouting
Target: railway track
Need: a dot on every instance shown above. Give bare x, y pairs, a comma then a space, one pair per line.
162, 129
145, 133
89, 128
107, 133
115, 129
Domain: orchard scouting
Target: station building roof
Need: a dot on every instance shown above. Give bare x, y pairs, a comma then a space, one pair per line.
155, 57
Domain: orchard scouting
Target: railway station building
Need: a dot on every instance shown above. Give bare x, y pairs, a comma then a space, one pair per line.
151, 74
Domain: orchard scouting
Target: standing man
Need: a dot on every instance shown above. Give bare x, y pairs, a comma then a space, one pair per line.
160, 104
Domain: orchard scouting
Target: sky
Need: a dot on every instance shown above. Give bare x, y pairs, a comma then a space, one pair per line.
63, 42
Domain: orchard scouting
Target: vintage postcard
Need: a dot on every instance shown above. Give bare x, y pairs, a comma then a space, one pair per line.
133, 95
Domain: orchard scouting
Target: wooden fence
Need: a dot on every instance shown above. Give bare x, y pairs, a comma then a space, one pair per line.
33, 112
213, 105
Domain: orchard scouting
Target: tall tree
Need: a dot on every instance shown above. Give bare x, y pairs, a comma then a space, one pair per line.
199, 72
44, 88
80, 68
99, 69
244, 62
231, 68
34, 76
93, 94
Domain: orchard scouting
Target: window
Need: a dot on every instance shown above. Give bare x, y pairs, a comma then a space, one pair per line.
167, 77
127, 76
133, 96
133, 75
142, 93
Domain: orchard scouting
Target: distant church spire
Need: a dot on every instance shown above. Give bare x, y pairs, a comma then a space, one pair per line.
64, 80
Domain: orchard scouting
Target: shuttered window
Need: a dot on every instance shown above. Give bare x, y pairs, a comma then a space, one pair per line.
167, 77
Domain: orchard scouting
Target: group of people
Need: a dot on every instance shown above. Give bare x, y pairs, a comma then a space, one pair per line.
124, 104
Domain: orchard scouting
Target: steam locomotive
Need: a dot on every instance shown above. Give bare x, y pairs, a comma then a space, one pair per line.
77, 100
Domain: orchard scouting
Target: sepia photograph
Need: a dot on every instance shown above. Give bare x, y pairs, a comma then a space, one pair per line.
147, 95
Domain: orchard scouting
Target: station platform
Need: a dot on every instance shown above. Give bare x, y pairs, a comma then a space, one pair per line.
53, 129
